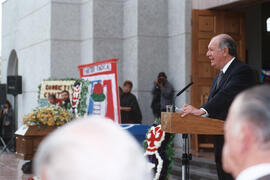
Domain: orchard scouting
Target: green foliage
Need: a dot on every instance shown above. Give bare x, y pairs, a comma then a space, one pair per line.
98, 97
83, 96
170, 154
169, 149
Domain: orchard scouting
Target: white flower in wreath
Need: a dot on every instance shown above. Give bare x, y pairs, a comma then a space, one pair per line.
154, 138
76, 96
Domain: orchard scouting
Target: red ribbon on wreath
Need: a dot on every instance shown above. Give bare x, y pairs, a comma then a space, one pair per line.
154, 140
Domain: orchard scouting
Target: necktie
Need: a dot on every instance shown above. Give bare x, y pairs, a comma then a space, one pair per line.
220, 75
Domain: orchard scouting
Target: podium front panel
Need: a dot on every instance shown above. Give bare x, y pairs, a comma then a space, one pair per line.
190, 124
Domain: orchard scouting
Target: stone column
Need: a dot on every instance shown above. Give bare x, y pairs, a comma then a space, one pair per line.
129, 65
179, 55
179, 47
65, 38
152, 50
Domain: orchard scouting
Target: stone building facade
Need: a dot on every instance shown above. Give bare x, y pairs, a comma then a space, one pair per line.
50, 38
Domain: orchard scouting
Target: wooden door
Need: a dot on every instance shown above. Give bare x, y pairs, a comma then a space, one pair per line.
205, 25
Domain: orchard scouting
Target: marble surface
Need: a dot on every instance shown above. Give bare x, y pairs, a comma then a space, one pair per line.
10, 167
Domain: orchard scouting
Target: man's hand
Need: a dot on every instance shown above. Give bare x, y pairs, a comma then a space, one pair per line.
188, 109
160, 85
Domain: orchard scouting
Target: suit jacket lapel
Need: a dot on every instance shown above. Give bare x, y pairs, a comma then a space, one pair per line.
214, 90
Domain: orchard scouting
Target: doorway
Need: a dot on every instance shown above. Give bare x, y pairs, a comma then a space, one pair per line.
12, 70
247, 24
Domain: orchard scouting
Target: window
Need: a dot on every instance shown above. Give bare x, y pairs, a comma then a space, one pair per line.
268, 24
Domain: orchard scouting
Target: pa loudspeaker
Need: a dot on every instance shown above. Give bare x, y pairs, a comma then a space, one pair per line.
14, 85
3, 93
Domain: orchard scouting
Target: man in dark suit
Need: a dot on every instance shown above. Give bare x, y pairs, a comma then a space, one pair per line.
233, 78
246, 152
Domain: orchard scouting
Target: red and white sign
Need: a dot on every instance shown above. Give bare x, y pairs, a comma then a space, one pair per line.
103, 98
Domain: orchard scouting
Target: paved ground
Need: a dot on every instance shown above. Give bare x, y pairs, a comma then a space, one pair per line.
10, 167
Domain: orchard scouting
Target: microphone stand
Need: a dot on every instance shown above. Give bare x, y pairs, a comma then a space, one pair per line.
186, 155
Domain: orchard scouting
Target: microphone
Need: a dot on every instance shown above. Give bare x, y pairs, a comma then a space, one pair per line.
179, 93
183, 90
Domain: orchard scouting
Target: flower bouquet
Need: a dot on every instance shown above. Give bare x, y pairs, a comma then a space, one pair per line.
48, 116
98, 98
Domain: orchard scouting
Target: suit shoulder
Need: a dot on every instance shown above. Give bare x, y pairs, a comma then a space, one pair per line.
244, 70
240, 66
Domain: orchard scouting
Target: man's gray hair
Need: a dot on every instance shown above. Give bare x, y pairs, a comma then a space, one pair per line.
255, 109
93, 148
227, 41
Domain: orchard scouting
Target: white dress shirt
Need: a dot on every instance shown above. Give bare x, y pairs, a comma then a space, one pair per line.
224, 69
254, 172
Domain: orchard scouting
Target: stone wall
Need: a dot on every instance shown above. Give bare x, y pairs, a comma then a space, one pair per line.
26, 33
52, 37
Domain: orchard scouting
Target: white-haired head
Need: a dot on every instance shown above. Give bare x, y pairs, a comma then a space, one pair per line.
92, 148
247, 131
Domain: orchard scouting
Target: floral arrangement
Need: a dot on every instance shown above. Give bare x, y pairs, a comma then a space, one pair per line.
75, 95
159, 151
48, 116
97, 94
61, 82
81, 106
78, 98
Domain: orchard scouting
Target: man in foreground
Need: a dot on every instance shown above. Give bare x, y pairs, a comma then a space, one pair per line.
233, 78
246, 152
93, 148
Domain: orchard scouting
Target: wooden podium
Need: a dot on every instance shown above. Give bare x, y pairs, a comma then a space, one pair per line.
174, 123
190, 124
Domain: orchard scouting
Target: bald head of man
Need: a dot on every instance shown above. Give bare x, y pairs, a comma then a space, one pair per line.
92, 148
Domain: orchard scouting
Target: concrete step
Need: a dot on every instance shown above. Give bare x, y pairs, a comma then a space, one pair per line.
200, 169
